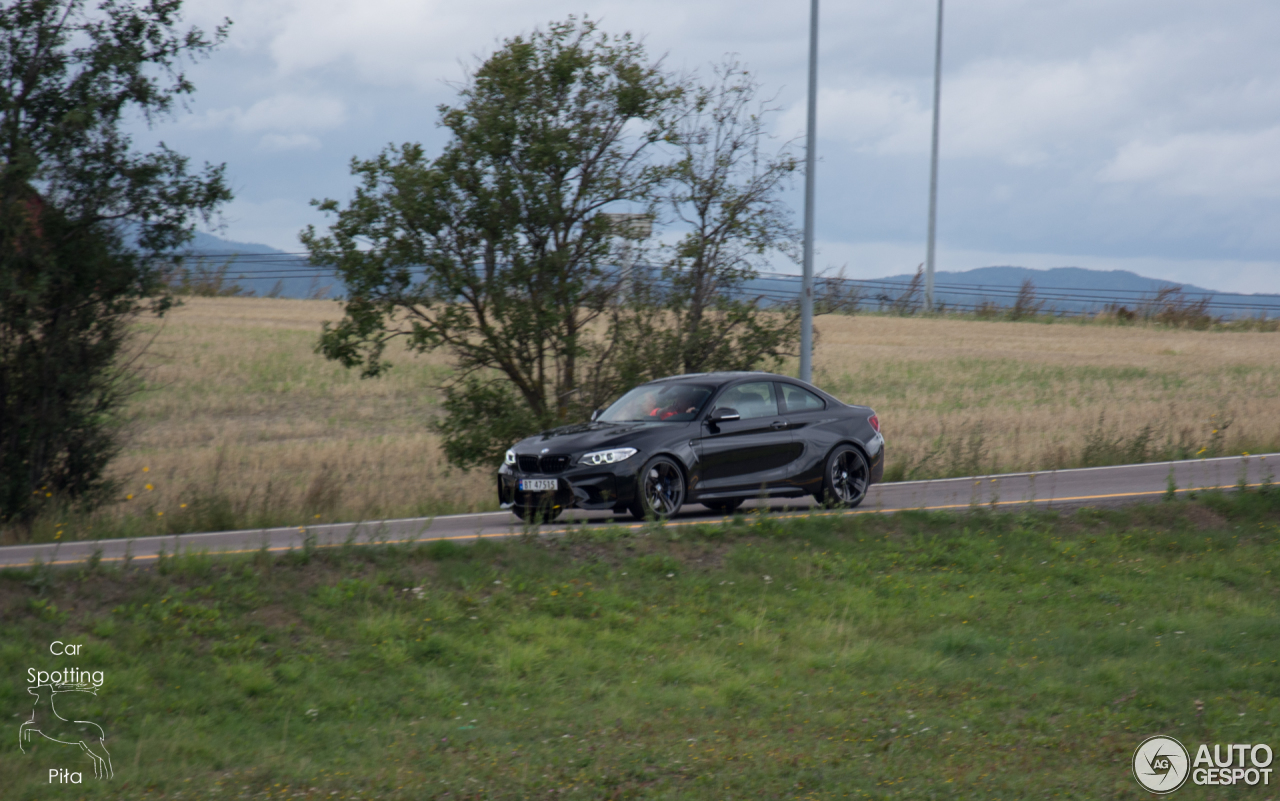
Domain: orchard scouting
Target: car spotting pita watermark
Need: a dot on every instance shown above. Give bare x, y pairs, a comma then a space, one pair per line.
1161, 764
63, 734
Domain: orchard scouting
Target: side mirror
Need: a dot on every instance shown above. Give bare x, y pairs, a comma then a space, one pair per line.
595, 415
724, 414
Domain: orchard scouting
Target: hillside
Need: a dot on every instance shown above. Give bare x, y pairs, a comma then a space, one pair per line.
264, 270
918, 656
1063, 289
1071, 278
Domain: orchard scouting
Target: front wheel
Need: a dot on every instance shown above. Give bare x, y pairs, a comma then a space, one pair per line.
659, 490
846, 479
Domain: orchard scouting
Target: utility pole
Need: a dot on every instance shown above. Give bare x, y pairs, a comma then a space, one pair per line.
933, 168
810, 161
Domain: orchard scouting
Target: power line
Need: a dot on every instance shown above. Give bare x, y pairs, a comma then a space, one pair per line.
294, 266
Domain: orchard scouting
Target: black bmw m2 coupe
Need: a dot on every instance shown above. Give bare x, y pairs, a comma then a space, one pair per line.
712, 438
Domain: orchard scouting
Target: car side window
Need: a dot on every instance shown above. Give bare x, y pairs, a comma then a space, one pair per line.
751, 400
798, 399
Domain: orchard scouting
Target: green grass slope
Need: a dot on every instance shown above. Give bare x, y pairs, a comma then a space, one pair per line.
919, 656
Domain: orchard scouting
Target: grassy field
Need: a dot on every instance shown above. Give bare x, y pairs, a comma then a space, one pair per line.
242, 424
1001, 656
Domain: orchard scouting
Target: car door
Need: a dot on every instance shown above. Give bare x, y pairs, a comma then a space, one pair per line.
744, 454
805, 414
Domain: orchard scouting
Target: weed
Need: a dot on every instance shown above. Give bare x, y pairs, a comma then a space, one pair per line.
1105, 445
1026, 305
1171, 307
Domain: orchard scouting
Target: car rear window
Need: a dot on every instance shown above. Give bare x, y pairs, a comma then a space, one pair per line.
798, 399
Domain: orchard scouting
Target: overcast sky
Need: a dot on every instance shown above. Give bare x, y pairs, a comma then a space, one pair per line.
1113, 134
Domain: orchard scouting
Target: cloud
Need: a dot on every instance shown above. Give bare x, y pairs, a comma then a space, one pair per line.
880, 116
272, 221
1016, 110
277, 142
1143, 127
394, 42
424, 43
283, 112
1239, 166
1021, 112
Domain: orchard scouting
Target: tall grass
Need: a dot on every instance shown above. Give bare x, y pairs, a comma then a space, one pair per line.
244, 425
958, 397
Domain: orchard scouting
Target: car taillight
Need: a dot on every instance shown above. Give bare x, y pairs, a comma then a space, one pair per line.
875, 422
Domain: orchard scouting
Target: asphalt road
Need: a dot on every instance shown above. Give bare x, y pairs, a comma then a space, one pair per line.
1059, 489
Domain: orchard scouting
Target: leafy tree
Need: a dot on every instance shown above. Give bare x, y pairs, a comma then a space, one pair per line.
86, 221
498, 249
725, 191
506, 249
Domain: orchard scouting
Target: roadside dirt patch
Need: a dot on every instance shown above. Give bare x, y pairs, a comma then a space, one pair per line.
277, 616
1204, 518
13, 598
698, 554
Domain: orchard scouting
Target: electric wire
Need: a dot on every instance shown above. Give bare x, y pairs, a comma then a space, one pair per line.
884, 293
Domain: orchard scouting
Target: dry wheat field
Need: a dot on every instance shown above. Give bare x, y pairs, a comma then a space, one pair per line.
241, 423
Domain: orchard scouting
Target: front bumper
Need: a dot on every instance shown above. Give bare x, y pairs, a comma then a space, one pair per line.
580, 487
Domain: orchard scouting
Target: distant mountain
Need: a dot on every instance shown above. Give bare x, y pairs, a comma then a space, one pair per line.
265, 270
210, 244
1065, 289
1069, 278
261, 269
1075, 289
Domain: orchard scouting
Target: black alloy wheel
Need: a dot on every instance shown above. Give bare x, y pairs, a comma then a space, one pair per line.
846, 479
659, 490
724, 507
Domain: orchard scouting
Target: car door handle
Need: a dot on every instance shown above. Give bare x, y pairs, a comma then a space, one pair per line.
778, 425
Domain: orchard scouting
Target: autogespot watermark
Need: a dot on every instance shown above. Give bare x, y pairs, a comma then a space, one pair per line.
1161, 764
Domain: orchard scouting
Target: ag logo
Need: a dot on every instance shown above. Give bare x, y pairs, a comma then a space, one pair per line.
1161, 765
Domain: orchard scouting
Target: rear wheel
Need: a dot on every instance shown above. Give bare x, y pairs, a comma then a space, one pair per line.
846, 479
724, 507
659, 490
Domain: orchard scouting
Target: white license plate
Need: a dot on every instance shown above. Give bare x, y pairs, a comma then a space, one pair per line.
539, 485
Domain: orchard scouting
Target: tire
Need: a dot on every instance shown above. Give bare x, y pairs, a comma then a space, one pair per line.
660, 490
534, 515
724, 507
845, 479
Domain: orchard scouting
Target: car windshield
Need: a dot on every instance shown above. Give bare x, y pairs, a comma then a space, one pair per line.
658, 403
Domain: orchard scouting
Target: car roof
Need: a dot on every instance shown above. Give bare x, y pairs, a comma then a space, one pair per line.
705, 378
720, 379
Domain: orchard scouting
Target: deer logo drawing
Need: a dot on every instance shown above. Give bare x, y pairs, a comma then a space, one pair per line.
46, 722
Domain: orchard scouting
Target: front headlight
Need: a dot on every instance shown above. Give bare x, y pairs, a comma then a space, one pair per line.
510, 458
607, 457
